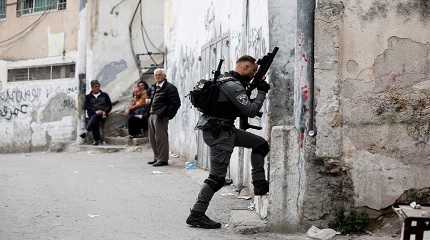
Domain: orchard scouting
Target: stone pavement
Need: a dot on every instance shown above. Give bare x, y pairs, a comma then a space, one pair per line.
90, 195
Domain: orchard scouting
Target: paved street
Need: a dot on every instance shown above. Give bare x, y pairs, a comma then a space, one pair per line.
104, 196
92, 196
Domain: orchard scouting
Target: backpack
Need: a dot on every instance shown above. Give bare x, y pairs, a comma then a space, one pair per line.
205, 94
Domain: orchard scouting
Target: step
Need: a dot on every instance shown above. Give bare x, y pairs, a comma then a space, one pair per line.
105, 148
126, 141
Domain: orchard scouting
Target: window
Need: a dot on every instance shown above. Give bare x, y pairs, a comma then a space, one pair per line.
41, 73
33, 6
2, 9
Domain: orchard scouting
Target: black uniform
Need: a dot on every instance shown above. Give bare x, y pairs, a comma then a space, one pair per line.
220, 134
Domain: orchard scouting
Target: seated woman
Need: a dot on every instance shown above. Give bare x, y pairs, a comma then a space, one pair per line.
137, 120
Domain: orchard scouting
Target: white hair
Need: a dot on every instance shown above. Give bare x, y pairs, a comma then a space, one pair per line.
160, 70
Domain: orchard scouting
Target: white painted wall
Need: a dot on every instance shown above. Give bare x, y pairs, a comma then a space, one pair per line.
187, 30
36, 114
109, 54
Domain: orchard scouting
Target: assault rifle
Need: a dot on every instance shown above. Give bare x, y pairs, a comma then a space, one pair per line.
264, 65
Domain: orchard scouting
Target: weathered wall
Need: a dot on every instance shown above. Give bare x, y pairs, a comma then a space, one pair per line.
109, 53
286, 185
372, 73
186, 33
36, 114
48, 30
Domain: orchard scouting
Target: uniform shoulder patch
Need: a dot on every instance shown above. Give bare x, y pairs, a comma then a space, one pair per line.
242, 99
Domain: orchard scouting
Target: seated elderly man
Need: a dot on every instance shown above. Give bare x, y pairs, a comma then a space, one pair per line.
137, 119
97, 107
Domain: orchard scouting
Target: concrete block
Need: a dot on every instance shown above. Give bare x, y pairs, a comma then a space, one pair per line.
286, 186
261, 205
247, 222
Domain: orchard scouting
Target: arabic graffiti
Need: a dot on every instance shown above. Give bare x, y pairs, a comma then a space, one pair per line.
18, 95
8, 113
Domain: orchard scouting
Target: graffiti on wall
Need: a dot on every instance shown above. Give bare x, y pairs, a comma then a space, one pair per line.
186, 62
236, 43
209, 16
16, 95
7, 112
257, 42
59, 106
16, 102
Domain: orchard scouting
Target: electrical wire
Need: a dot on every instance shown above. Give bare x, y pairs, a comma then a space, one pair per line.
116, 5
130, 33
149, 39
143, 36
23, 32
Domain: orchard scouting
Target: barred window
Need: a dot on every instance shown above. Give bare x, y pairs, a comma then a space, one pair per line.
34, 6
211, 52
41, 73
2, 9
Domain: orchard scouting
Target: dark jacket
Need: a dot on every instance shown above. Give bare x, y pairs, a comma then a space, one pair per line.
232, 102
165, 101
93, 104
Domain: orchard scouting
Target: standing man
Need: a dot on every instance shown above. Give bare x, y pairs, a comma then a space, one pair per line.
220, 134
165, 103
97, 107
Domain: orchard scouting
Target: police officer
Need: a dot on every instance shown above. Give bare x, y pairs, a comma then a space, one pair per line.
220, 134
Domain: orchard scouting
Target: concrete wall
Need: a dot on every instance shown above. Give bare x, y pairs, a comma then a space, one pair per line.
37, 114
372, 75
187, 31
110, 57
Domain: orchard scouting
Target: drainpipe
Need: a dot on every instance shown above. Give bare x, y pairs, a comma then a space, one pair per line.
82, 66
305, 47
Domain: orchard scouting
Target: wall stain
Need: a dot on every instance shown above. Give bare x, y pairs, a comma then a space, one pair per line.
330, 9
61, 105
110, 71
412, 7
377, 10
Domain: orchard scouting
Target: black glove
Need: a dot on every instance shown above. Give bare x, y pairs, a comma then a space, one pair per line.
263, 86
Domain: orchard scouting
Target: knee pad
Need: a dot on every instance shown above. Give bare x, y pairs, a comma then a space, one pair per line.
262, 149
215, 182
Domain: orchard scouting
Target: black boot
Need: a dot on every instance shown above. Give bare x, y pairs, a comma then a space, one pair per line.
200, 220
261, 187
